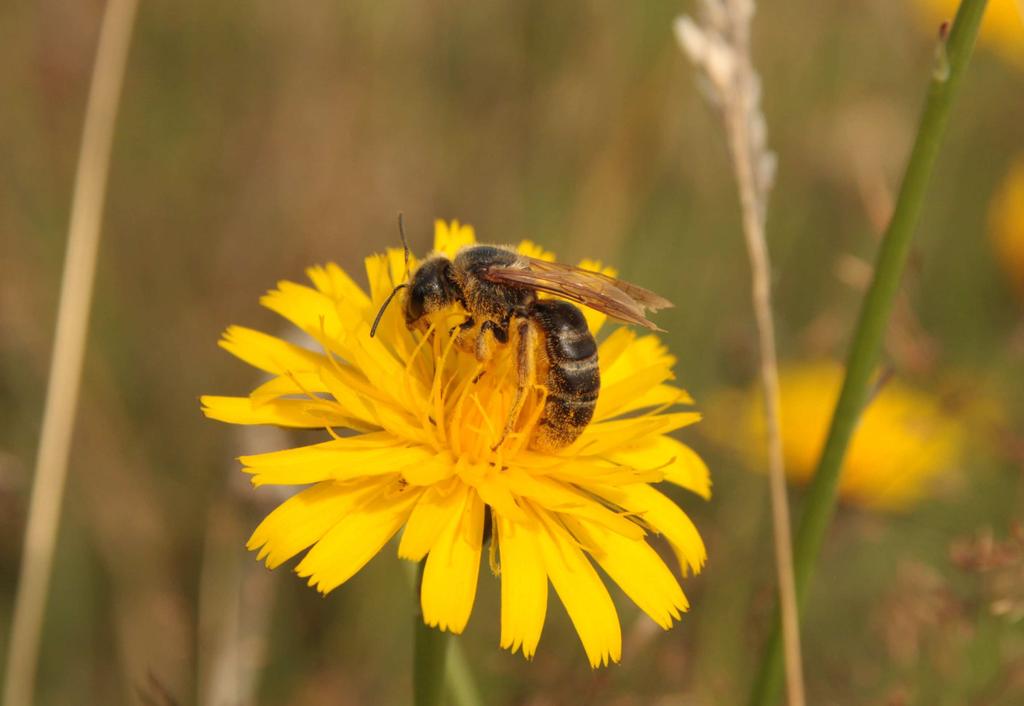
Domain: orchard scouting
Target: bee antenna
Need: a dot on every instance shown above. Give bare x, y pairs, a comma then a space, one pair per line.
405, 243
384, 306
405, 247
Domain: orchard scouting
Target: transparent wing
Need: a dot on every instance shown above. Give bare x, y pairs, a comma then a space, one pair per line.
621, 300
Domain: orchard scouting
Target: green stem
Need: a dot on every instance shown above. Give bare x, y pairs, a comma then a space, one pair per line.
462, 688
429, 657
867, 341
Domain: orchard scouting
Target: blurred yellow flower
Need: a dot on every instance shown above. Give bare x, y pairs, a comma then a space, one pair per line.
1006, 225
1002, 29
421, 460
904, 439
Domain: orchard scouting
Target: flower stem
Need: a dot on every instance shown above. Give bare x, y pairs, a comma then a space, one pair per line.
952, 60
68, 352
462, 689
429, 658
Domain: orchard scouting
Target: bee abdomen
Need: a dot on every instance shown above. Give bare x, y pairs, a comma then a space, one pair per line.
573, 377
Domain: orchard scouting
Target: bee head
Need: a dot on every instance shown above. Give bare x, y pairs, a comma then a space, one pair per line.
433, 288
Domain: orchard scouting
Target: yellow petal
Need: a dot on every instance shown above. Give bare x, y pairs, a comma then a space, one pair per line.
689, 471
537, 252
452, 568
561, 497
678, 462
310, 310
432, 514
642, 366
663, 396
347, 405
584, 595
595, 319
386, 374
619, 395
303, 383
637, 569
641, 352
388, 398
357, 537
602, 437
384, 271
302, 414
524, 585
589, 471
501, 499
612, 348
348, 388
596, 266
450, 237
267, 352
304, 519
336, 460
635, 392
336, 284
320, 453
435, 469
665, 517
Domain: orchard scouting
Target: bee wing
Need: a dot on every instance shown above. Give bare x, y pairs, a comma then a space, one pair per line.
621, 300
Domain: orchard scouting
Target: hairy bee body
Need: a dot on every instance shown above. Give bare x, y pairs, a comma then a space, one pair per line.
569, 368
485, 299
497, 287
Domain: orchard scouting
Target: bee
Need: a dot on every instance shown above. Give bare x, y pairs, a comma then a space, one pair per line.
498, 289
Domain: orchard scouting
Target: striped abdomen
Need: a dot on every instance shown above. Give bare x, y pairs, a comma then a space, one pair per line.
572, 378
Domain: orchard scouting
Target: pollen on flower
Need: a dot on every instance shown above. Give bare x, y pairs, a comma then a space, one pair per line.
433, 454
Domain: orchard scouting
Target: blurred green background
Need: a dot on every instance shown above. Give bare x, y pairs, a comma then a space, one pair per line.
257, 138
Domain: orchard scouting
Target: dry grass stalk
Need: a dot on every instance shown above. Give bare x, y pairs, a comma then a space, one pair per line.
68, 352
719, 45
237, 593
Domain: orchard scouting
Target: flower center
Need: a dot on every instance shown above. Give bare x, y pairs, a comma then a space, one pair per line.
471, 404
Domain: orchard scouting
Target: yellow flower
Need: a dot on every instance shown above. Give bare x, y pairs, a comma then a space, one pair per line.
1002, 28
903, 441
1006, 225
424, 418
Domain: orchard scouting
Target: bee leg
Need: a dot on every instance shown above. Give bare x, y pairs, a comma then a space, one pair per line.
484, 347
464, 326
526, 364
490, 333
463, 334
